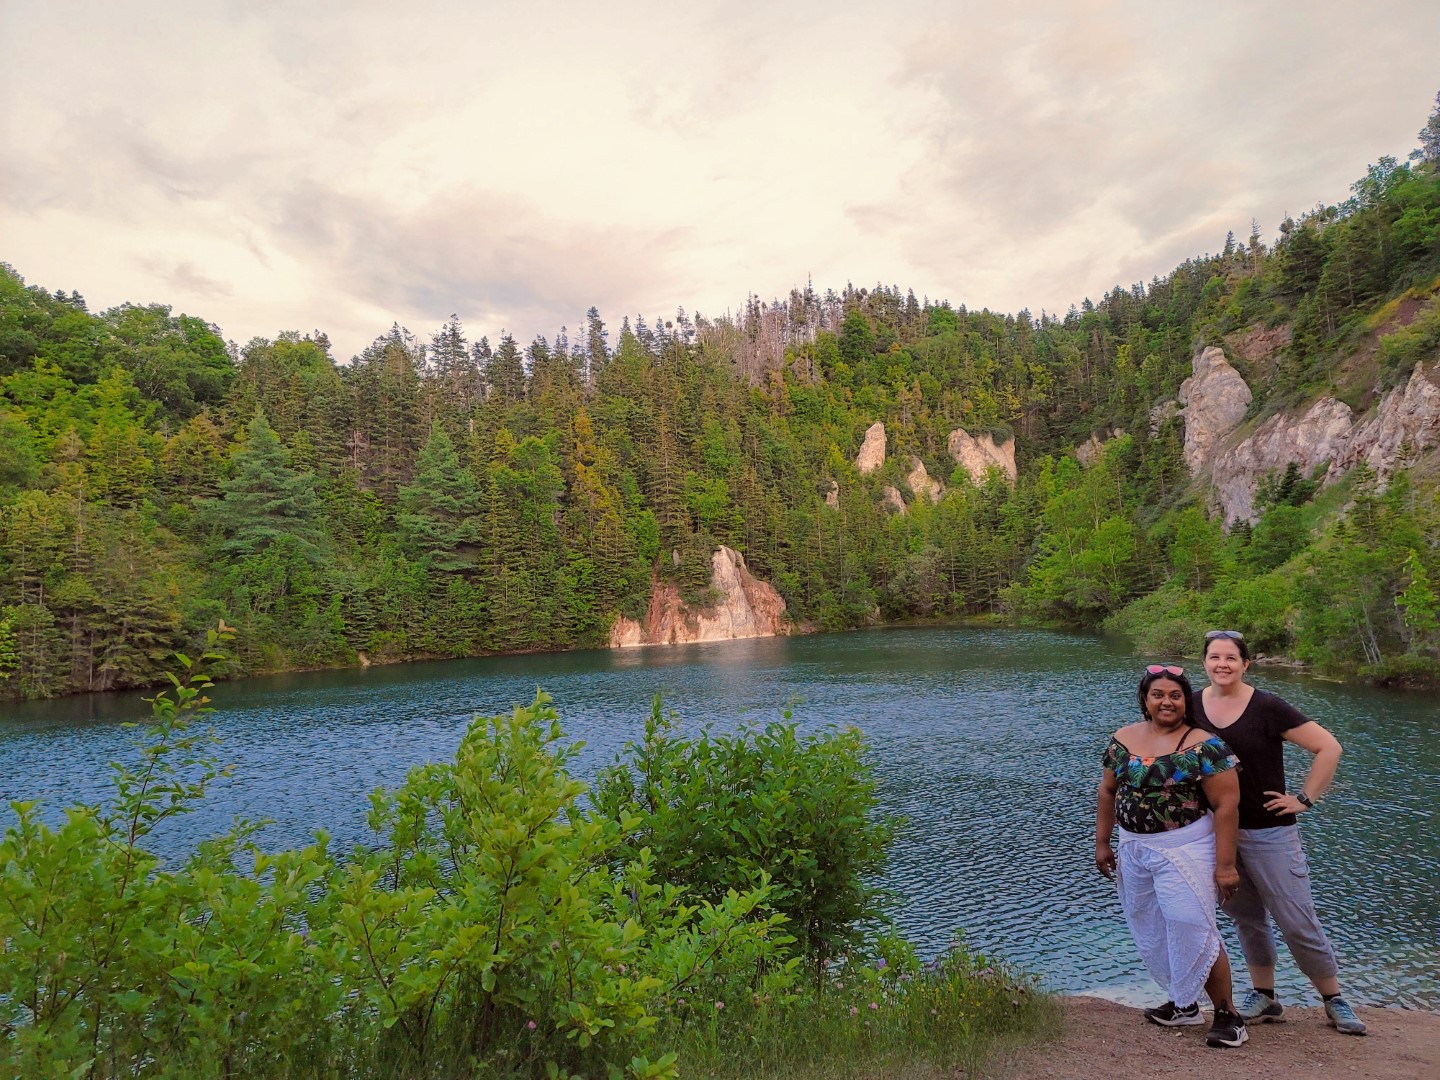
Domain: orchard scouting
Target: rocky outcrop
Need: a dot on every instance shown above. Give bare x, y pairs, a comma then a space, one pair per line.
872, 450
1161, 413
922, 484
832, 496
1089, 451
1259, 344
1307, 441
1407, 418
1215, 400
977, 456
892, 500
745, 607
1405, 422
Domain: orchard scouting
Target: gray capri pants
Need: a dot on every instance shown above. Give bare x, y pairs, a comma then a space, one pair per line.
1275, 881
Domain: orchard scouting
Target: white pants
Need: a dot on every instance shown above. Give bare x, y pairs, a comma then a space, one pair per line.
1167, 888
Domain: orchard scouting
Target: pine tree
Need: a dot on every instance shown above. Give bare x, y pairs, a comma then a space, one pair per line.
1429, 151
265, 499
506, 372
438, 512
9, 652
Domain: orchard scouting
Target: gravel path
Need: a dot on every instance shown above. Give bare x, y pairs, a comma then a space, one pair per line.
1101, 1039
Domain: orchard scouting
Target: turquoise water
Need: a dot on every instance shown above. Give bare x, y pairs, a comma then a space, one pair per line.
987, 740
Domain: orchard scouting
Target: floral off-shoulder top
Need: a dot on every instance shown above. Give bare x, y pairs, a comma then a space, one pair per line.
1162, 793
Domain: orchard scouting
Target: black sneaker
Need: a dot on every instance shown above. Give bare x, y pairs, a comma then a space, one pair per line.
1172, 1015
1228, 1030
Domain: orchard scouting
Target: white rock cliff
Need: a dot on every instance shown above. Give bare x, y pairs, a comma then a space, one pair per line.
747, 607
1215, 400
1404, 424
978, 456
872, 450
922, 484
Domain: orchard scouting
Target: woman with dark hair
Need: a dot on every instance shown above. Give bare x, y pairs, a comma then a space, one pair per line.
1274, 876
1173, 790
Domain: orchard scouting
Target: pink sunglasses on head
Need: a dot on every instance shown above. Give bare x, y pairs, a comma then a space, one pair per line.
1164, 669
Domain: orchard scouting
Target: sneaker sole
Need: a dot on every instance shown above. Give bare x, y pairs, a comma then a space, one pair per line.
1243, 1038
1185, 1021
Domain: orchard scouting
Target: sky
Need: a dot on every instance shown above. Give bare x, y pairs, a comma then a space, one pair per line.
341, 166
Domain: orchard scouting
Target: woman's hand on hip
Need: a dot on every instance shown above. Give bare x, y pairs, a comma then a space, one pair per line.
1281, 803
1105, 859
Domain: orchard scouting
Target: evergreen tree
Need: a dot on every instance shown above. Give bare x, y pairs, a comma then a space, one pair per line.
265, 499
438, 513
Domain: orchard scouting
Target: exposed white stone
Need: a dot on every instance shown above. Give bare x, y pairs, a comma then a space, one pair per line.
1320, 435
922, 484
746, 607
892, 500
832, 497
1215, 400
1089, 451
1407, 417
872, 450
1406, 422
977, 456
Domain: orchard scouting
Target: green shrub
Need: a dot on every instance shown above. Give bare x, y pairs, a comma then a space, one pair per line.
720, 813
1167, 623
1410, 345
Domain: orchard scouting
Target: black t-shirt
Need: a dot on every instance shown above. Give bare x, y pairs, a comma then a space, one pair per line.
1257, 738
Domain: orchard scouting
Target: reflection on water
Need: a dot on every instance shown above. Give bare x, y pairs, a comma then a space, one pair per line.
988, 741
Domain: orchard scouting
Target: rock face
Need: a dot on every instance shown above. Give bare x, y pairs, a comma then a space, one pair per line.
978, 456
1161, 413
1316, 437
1407, 419
922, 484
1216, 400
1259, 344
1088, 452
872, 450
892, 500
832, 496
747, 607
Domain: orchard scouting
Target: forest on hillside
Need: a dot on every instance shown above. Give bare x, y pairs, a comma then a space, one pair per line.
453, 497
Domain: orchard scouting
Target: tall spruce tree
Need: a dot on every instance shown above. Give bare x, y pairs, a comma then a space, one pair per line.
439, 512
265, 499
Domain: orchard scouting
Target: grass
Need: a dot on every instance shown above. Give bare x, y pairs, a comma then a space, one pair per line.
956, 1015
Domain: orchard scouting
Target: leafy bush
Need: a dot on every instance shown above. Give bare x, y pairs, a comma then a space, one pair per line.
719, 813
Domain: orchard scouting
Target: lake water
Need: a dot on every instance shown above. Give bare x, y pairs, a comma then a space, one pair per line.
987, 740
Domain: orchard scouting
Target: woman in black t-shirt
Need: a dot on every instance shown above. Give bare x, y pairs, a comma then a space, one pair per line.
1274, 876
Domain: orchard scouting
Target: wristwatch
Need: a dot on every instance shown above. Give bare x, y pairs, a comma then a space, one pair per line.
1305, 800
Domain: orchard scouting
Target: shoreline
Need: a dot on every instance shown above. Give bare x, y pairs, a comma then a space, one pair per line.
364, 660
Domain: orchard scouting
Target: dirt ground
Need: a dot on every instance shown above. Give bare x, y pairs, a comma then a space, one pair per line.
1102, 1039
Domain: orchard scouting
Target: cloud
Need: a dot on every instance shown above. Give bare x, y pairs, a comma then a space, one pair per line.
487, 255
187, 278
